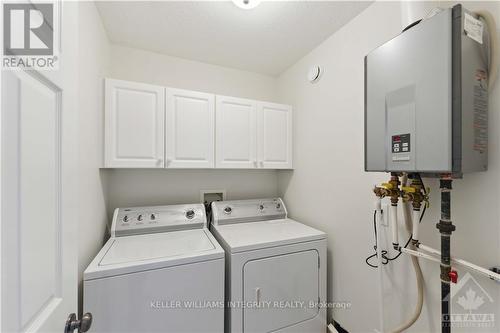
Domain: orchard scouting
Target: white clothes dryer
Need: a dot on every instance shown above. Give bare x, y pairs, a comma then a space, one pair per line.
275, 268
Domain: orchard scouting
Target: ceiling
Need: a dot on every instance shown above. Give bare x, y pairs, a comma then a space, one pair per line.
266, 39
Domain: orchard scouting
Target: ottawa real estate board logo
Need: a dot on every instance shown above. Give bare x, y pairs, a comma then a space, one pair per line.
28, 36
472, 306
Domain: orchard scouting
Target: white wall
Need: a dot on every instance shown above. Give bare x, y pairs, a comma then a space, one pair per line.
93, 64
155, 68
329, 189
148, 187
159, 187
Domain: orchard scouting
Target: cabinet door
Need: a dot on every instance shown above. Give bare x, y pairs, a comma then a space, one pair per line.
190, 129
134, 125
274, 136
236, 133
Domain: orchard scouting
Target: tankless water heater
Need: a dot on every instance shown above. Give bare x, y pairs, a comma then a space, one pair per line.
426, 97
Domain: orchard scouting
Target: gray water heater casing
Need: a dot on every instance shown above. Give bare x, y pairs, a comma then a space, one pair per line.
426, 100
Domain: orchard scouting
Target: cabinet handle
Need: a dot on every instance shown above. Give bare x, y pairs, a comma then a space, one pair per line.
159, 160
168, 161
261, 164
255, 164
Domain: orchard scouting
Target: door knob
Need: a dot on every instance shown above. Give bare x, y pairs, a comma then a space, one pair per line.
82, 325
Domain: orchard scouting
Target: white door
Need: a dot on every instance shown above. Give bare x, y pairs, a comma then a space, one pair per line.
38, 192
274, 136
236, 133
190, 129
288, 284
134, 121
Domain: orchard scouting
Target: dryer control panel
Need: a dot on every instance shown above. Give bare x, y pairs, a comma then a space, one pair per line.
153, 219
240, 211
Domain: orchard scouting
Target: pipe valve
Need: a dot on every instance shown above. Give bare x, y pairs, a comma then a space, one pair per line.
416, 194
391, 190
453, 276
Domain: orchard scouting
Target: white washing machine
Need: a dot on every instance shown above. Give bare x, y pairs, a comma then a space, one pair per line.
161, 271
275, 268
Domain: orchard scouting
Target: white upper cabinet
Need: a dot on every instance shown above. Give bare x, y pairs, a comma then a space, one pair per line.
190, 129
149, 126
274, 136
134, 125
236, 133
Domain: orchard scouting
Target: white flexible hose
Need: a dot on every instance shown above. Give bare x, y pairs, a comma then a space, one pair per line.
415, 217
394, 224
416, 266
494, 51
380, 265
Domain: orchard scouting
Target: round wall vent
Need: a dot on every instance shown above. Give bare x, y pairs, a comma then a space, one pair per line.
314, 74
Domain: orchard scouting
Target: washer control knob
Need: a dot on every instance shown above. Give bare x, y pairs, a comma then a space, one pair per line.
228, 210
152, 217
126, 218
139, 217
190, 214
278, 206
261, 207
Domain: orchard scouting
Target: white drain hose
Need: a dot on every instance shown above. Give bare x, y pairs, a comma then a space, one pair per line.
416, 266
494, 51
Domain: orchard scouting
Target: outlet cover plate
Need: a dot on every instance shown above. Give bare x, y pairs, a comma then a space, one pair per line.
212, 195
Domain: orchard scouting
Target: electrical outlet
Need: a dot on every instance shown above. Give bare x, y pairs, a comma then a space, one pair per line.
209, 196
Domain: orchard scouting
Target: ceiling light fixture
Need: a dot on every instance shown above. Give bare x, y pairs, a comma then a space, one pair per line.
246, 4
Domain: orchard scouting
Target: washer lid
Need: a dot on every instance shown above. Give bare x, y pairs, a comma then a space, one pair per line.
129, 254
155, 246
240, 237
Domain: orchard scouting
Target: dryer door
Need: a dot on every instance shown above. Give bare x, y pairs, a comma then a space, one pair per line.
280, 291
